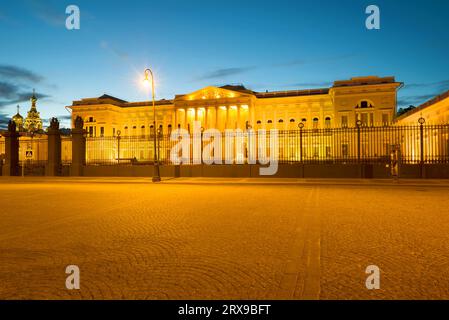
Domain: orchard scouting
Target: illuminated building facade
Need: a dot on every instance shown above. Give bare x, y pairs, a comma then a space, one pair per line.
372, 100
434, 111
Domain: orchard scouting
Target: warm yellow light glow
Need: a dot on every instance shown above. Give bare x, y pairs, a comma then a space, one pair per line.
146, 82
234, 107
223, 108
203, 97
244, 107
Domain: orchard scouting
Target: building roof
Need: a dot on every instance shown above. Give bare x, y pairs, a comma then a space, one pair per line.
108, 99
424, 105
291, 93
363, 81
356, 81
106, 96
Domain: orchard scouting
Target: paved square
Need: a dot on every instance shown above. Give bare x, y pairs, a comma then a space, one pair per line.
223, 239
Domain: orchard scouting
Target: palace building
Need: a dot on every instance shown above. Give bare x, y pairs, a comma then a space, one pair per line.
372, 100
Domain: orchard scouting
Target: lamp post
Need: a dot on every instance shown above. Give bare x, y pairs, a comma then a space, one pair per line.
156, 175
421, 122
301, 127
358, 123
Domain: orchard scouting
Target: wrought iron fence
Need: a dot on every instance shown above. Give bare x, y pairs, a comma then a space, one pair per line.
33, 149
416, 144
127, 149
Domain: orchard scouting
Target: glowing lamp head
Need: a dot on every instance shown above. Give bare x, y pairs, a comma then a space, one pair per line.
147, 81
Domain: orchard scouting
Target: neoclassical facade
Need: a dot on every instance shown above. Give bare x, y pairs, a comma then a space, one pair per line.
372, 100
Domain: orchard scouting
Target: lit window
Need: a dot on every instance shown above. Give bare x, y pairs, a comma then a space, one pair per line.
344, 121
385, 119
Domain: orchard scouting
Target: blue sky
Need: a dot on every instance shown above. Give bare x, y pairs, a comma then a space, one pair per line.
265, 45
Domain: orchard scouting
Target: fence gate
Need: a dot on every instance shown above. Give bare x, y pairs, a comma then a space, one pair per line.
33, 155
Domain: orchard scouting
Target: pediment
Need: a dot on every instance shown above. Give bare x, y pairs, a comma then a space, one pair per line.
213, 93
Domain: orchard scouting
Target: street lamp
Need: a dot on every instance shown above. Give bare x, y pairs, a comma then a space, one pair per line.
148, 82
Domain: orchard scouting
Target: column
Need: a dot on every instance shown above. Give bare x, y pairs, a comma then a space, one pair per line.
11, 166
54, 149
78, 148
216, 117
238, 117
252, 116
175, 124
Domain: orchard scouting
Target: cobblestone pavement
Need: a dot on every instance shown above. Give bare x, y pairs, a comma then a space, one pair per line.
186, 239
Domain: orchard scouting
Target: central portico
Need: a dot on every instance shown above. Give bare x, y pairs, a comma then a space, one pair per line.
228, 107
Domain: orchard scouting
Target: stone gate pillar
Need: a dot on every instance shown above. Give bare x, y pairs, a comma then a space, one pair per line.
11, 166
54, 149
78, 148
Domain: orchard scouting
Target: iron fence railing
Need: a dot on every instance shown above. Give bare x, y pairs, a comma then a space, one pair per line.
33, 148
416, 144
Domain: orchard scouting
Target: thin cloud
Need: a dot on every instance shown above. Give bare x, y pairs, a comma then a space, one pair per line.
4, 119
225, 72
15, 84
308, 84
17, 73
296, 62
47, 12
121, 54
414, 100
439, 85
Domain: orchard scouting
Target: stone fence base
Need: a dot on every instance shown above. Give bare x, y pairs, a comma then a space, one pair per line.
430, 171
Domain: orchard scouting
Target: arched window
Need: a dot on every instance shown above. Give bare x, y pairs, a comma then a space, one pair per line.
315, 123
142, 131
269, 121
292, 120
303, 120
259, 122
327, 122
365, 104
281, 121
